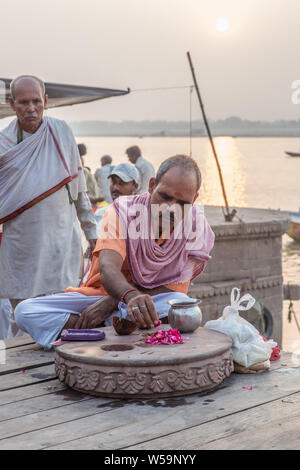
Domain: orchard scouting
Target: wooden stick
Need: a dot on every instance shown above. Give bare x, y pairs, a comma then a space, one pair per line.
228, 215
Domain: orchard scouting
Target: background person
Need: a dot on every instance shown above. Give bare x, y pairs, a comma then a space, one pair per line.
92, 187
123, 181
145, 168
101, 175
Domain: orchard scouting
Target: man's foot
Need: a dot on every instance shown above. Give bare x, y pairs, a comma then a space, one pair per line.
70, 324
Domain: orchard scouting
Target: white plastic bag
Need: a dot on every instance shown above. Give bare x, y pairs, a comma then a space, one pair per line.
248, 346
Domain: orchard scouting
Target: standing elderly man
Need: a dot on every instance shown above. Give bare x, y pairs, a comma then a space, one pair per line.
140, 261
43, 193
144, 167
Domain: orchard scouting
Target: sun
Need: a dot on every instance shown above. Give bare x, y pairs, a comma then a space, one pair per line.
222, 24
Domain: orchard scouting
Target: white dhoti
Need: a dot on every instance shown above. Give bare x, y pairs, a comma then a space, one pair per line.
43, 318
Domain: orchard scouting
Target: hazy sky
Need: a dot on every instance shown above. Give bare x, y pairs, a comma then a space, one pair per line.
246, 71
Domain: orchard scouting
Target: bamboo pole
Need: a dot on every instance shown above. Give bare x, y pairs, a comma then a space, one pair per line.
228, 215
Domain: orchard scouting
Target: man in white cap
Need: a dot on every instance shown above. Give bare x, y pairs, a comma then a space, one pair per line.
124, 181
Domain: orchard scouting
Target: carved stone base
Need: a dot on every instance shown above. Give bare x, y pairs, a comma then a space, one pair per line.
127, 367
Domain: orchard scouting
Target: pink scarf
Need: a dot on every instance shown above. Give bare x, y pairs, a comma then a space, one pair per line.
179, 259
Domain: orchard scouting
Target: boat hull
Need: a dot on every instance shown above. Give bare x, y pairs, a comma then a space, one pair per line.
294, 229
293, 154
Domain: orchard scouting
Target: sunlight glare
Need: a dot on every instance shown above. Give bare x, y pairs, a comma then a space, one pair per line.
222, 24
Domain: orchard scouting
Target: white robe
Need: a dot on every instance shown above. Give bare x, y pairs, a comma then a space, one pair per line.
41, 248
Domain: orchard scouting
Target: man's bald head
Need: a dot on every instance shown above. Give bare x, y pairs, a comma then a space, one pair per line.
24, 80
28, 100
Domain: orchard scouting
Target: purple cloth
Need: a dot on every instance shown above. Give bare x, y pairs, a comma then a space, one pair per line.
179, 259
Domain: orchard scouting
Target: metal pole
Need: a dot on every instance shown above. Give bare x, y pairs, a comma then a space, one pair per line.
228, 215
191, 121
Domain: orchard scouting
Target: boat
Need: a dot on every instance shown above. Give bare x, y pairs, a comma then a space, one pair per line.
59, 95
293, 154
294, 229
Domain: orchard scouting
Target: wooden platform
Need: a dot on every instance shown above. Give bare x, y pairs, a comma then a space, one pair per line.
38, 412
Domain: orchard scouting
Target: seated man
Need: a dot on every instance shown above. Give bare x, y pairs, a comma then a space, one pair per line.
140, 261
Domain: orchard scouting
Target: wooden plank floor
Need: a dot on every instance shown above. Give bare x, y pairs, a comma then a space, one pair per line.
38, 412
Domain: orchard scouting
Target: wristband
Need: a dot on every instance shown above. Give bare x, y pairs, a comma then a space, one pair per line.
122, 299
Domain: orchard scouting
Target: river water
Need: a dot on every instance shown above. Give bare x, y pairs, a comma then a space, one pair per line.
256, 171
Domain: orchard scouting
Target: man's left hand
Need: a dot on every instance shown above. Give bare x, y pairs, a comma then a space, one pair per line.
95, 314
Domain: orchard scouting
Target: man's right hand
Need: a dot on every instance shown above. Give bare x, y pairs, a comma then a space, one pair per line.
95, 314
141, 309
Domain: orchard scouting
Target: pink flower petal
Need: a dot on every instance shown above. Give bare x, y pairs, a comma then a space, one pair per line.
171, 336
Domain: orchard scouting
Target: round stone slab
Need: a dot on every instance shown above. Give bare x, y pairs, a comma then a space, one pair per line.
127, 367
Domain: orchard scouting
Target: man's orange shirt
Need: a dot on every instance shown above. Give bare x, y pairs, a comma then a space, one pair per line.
111, 238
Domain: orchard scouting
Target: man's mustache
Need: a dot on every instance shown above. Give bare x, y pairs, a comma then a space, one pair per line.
30, 116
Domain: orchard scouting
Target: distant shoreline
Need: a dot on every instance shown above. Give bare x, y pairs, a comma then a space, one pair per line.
138, 136
230, 127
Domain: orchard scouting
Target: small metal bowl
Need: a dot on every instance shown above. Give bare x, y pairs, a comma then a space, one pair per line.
185, 315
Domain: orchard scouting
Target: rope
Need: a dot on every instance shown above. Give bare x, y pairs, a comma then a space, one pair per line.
163, 88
